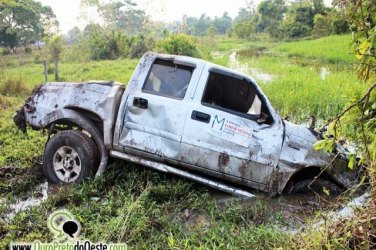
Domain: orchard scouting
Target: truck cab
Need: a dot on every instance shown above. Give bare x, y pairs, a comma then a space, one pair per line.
200, 116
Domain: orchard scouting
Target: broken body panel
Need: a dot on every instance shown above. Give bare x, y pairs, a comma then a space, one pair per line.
193, 126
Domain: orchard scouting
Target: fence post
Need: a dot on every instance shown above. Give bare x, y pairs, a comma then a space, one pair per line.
56, 70
45, 70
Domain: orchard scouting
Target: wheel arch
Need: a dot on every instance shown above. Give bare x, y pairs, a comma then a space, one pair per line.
305, 173
76, 117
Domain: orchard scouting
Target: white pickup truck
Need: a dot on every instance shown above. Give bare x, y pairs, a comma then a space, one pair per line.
180, 115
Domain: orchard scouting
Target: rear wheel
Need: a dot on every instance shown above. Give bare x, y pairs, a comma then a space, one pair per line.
69, 157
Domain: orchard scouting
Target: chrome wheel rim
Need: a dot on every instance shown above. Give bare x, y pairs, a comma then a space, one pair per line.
67, 164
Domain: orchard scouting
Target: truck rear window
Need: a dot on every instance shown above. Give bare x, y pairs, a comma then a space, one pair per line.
168, 79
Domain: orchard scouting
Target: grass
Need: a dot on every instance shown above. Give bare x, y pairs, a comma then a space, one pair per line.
32, 73
144, 208
298, 91
147, 209
332, 49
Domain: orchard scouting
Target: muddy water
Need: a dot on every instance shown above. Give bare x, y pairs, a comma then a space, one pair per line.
39, 195
35, 197
235, 64
294, 210
293, 213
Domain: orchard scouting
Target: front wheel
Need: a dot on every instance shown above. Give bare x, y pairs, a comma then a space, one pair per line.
316, 186
69, 157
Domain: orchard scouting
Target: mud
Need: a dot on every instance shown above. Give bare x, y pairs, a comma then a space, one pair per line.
37, 197
294, 212
290, 213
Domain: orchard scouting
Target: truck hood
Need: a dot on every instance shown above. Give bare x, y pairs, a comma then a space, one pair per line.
298, 152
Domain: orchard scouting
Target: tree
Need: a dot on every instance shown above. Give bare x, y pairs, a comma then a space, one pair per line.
358, 120
212, 31
299, 20
24, 21
244, 23
222, 23
338, 22
202, 25
120, 14
56, 47
74, 35
271, 14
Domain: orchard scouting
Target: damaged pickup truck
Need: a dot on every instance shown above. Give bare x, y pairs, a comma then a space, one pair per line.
183, 116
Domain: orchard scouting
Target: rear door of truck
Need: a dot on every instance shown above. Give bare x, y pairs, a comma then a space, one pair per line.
155, 107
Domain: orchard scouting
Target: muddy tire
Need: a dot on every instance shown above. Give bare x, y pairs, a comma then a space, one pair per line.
69, 157
97, 157
317, 186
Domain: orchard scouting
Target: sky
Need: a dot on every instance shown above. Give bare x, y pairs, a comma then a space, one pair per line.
70, 13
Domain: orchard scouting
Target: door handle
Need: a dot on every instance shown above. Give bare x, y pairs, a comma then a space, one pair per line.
140, 102
199, 116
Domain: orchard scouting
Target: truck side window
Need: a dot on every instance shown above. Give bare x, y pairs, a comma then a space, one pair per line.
168, 79
234, 95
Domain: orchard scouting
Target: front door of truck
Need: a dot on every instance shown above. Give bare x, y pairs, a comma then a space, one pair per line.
155, 112
231, 131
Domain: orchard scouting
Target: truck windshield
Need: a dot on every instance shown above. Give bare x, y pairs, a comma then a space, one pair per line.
168, 79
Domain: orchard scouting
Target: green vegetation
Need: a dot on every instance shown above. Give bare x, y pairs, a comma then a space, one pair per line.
300, 88
147, 209
23, 68
179, 44
331, 49
144, 208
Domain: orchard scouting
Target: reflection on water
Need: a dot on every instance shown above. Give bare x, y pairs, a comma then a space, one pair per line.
235, 64
323, 73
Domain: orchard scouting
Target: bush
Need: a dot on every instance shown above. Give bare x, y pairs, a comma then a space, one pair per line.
137, 47
244, 30
4, 102
179, 44
339, 24
37, 59
321, 26
5, 52
294, 30
50, 68
28, 50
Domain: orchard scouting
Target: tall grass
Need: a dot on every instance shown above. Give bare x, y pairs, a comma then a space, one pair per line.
32, 73
299, 91
13, 87
331, 49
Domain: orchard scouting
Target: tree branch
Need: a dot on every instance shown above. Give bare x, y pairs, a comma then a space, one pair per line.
337, 118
